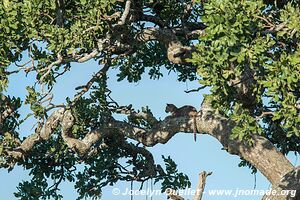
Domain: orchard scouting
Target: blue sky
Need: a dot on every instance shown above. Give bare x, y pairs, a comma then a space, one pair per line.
191, 157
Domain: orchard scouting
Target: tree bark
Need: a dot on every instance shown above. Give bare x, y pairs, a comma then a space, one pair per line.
261, 153
201, 185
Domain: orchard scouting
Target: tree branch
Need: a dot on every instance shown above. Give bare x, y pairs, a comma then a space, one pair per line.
261, 154
42, 132
85, 88
201, 185
125, 13
77, 145
49, 68
176, 52
196, 90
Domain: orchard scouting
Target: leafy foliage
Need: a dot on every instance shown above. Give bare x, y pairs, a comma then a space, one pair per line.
173, 179
249, 56
253, 70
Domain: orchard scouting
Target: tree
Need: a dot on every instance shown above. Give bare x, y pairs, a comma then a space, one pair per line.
246, 52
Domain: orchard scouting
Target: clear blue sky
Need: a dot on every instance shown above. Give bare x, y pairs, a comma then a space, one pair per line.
191, 157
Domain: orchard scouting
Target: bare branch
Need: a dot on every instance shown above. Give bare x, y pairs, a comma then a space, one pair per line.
112, 17
263, 114
80, 58
125, 13
89, 56
201, 185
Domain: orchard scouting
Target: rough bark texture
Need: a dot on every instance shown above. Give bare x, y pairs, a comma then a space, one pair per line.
289, 183
121, 41
262, 154
201, 185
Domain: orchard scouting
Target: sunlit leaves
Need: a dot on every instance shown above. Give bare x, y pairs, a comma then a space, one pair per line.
240, 40
33, 99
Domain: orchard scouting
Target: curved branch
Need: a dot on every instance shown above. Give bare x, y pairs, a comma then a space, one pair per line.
42, 132
261, 154
176, 51
77, 145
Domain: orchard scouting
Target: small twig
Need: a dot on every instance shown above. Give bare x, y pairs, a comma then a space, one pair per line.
263, 114
89, 84
115, 104
126, 110
52, 106
90, 29
49, 68
265, 20
51, 18
196, 90
112, 17
62, 73
56, 184
22, 65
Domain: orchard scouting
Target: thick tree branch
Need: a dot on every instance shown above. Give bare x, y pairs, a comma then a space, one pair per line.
77, 145
290, 182
42, 132
262, 154
176, 51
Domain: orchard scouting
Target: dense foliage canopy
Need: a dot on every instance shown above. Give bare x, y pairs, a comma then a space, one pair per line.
246, 52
